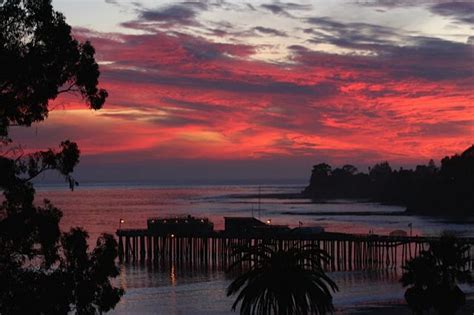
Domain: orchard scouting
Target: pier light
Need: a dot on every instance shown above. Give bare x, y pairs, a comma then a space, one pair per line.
269, 221
152, 221
202, 220
172, 235
120, 222
164, 221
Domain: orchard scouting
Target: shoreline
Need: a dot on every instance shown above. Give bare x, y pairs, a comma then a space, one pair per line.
341, 200
345, 213
398, 307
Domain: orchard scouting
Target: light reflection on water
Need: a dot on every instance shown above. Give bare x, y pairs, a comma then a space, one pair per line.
171, 290
151, 289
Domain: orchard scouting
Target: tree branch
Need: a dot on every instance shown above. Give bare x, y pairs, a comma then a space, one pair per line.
40, 171
69, 89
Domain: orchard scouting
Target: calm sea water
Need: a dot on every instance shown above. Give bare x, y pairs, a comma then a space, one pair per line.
98, 208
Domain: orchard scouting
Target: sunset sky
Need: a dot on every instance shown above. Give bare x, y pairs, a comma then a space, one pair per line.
223, 90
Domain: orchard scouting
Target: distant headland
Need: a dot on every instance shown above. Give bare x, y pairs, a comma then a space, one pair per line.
447, 190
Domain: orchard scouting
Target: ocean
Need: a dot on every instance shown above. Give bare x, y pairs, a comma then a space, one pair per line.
150, 290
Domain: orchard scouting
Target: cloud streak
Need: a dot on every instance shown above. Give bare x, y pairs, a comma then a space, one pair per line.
462, 12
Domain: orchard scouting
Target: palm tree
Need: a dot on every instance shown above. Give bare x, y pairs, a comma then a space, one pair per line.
433, 276
282, 281
421, 274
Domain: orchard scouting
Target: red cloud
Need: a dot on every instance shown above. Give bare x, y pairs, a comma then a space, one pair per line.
180, 96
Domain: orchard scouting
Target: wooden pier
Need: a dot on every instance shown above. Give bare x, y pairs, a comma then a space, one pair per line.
214, 249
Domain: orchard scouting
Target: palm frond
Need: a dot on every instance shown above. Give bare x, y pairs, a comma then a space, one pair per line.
281, 281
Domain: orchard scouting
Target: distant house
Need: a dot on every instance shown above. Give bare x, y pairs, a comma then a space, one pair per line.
183, 225
241, 224
398, 233
272, 229
308, 230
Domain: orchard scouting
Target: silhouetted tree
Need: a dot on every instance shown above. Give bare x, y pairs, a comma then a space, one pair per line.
350, 169
282, 281
380, 171
421, 274
426, 190
432, 277
41, 270
40, 60
322, 169
78, 282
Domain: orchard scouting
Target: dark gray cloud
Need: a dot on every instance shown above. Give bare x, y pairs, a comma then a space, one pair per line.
350, 35
275, 9
179, 112
183, 13
131, 6
251, 7
269, 31
462, 12
445, 129
175, 13
282, 8
433, 59
251, 85
202, 51
390, 4
401, 56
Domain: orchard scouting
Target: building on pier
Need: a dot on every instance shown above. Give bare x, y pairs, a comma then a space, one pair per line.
239, 225
398, 233
308, 230
179, 225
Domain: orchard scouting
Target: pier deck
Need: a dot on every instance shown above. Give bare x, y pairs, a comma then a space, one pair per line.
214, 249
